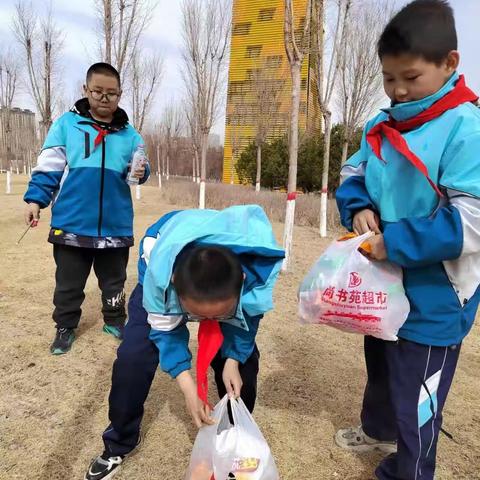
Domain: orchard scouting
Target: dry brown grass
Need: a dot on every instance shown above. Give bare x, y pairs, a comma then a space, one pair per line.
218, 195
53, 409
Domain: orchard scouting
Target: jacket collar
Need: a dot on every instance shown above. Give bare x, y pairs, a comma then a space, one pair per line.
119, 121
405, 111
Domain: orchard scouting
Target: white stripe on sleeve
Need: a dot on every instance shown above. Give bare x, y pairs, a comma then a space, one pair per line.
164, 323
51, 160
464, 272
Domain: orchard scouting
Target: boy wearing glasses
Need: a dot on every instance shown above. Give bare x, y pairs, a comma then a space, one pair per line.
81, 170
217, 268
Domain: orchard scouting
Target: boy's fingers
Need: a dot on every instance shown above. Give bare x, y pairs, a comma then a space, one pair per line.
206, 417
365, 228
373, 225
374, 228
238, 388
236, 391
355, 227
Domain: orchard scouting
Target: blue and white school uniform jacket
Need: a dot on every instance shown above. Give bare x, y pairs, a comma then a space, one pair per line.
86, 184
436, 241
246, 231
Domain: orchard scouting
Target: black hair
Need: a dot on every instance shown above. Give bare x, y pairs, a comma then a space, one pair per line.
208, 273
424, 28
104, 69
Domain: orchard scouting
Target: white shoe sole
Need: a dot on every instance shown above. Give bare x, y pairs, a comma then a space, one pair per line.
110, 475
131, 454
367, 447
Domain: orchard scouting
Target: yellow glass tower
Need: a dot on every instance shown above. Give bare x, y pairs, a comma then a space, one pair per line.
257, 50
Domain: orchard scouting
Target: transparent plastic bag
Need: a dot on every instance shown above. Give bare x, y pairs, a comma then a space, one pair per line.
346, 290
224, 448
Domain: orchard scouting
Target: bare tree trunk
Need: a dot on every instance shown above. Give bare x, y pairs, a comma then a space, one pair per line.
345, 145
326, 87
295, 50
259, 167
145, 77
47, 87
8, 86
292, 167
196, 173
327, 118
108, 26
41, 49
159, 173
168, 165
197, 158
360, 71
163, 162
206, 31
203, 168
193, 168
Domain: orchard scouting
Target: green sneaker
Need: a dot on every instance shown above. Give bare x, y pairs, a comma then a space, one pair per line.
63, 341
116, 332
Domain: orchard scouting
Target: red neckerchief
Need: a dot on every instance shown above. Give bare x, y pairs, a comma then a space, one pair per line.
210, 339
102, 133
391, 129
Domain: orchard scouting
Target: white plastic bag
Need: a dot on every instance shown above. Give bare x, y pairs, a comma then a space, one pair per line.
346, 290
224, 448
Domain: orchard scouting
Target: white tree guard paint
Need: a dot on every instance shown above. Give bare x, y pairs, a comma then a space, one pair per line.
288, 233
323, 214
9, 182
201, 203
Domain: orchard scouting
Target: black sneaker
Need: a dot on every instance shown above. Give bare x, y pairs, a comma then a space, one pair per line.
103, 468
63, 341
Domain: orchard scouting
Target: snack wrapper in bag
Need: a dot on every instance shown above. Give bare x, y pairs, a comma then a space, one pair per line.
239, 449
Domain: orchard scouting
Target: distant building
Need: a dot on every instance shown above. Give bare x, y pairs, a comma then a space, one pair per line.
258, 42
18, 137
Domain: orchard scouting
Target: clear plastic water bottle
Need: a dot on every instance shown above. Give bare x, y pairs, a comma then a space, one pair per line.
139, 157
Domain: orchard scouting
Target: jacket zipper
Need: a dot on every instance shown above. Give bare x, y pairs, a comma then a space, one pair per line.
102, 180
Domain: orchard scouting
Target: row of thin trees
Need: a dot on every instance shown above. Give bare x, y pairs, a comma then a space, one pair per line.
339, 37
34, 63
350, 69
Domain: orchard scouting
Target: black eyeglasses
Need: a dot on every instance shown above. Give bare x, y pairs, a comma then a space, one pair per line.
98, 95
190, 317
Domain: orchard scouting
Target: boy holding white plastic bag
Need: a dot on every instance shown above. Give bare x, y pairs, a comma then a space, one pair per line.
217, 268
416, 183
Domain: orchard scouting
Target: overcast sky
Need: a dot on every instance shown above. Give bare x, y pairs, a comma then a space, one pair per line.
76, 18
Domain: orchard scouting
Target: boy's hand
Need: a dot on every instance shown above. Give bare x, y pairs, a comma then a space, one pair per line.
231, 378
199, 411
366, 221
32, 214
139, 172
378, 250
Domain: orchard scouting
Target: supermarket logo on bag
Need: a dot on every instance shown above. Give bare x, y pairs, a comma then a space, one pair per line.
355, 280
